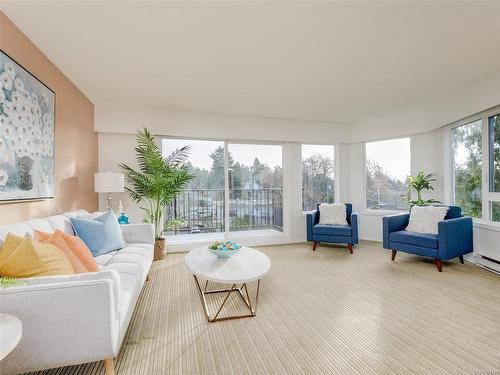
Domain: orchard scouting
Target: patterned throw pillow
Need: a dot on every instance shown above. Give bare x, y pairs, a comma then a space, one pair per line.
101, 235
424, 219
334, 213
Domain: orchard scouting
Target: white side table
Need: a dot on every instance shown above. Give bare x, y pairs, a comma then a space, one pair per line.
11, 330
247, 266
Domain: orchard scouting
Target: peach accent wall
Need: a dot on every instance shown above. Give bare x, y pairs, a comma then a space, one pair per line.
76, 141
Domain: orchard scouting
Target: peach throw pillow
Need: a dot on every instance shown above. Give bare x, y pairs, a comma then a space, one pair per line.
25, 257
57, 239
73, 243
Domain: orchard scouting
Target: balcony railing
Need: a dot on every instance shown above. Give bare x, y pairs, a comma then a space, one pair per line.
249, 209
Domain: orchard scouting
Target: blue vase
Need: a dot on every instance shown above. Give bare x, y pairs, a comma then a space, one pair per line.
123, 219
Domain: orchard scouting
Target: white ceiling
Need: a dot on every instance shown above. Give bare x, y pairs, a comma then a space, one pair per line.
342, 62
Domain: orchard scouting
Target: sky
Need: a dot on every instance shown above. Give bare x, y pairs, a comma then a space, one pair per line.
392, 155
242, 153
326, 150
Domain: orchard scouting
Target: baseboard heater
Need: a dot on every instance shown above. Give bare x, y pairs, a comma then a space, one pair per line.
488, 263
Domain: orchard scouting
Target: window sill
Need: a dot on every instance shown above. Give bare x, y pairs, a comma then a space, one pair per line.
488, 225
371, 212
202, 238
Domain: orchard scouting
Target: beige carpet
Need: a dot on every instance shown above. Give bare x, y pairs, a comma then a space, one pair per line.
323, 312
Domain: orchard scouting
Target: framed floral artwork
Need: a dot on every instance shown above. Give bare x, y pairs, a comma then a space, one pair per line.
27, 110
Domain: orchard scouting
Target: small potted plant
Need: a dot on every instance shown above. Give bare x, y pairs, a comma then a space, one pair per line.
156, 182
418, 183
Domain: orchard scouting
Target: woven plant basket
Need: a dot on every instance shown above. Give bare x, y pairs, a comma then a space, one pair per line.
160, 250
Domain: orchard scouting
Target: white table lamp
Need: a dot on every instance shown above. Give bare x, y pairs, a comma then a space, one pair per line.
109, 182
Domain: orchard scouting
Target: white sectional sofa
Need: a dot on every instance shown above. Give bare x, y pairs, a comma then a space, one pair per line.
78, 318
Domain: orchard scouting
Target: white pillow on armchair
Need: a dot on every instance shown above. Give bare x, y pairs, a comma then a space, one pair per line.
332, 213
424, 219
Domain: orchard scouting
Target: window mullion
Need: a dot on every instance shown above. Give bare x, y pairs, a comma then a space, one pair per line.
485, 170
226, 191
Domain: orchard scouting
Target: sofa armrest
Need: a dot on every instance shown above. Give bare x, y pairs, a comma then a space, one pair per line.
393, 223
66, 320
455, 237
311, 220
354, 227
138, 233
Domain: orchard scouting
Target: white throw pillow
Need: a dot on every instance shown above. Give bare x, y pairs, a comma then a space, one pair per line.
334, 214
424, 219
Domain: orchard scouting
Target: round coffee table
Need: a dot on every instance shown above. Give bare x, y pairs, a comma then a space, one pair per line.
11, 330
249, 265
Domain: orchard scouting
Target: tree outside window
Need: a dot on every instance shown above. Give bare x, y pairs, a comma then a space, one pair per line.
388, 165
318, 182
467, 152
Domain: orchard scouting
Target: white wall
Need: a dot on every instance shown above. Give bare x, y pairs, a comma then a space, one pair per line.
209, 126
115, 149
452, 106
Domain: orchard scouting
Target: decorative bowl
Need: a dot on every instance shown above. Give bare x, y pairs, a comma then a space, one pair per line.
224, 250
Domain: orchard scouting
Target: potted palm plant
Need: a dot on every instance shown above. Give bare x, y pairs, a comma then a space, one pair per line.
418, 183
156, 182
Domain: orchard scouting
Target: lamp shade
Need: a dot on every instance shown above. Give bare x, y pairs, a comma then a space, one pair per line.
108, 182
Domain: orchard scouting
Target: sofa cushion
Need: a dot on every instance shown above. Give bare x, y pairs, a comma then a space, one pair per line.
20, 229
60, 222
128, 258
414, 238
332, 230
40, 224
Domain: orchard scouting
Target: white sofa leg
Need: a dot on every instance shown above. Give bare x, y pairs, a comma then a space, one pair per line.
109, 366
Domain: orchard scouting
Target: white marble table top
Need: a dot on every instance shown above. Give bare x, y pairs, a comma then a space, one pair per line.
11, 330
246, 266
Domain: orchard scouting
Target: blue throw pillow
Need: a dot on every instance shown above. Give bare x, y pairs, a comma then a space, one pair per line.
101, 235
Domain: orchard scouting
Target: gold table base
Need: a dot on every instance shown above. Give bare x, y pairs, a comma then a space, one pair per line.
246, 298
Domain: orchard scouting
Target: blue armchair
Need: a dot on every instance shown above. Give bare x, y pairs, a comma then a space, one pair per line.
454, 238
333, 233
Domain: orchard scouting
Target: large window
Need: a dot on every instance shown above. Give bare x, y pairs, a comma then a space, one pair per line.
254, 188
388, 165
201, 204
467, 162
317, 175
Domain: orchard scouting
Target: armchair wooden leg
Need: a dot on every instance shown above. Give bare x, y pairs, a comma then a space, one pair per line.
438, 265
147, 277
393, 255
109, 366
349, 245
461, 257
315, 243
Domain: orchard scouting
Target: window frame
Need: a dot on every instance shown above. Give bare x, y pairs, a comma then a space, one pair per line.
375, 211
486, 195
